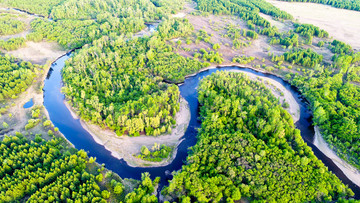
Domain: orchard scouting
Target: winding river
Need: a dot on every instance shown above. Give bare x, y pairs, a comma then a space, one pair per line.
81, 139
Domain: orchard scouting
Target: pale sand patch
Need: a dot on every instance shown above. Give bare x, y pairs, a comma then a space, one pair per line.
351, 172
179, 15
38, 53
283, 27
125, 147
341, 24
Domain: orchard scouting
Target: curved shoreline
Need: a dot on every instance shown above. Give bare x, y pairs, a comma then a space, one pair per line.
211, 68
115, 144
350, 171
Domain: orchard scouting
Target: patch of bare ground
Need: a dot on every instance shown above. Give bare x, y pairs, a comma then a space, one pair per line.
38, 52
126, 147
341, 24
284, 26
18, 16
17, 116
351, 172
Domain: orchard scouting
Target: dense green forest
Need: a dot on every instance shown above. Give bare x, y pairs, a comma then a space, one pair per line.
248, 147
345, 4
15, 76
43, 171
121, 81
76, 24
40, 171
334, 102
10, 26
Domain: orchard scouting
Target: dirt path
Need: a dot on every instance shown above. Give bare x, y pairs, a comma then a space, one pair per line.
351, 172
125, 147
341, 24
38, 53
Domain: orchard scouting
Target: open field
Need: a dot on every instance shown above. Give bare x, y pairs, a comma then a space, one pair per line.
343, 25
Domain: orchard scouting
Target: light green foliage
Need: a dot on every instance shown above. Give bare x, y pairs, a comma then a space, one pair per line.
144, 191
12, 43
158, 153
334, 102
41, 7
174, 28
216, 46
10, 26
79, 22
243, 59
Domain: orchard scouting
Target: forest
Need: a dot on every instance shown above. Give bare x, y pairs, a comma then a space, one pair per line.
248, 147
119, 83
75, 24
334, 102
15, 76
41, 7
45, 171
10, 26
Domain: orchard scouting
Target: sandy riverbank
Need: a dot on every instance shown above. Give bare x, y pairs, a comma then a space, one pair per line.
351, 172
124, 147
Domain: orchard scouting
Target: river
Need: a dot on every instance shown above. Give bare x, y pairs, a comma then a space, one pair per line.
73, 131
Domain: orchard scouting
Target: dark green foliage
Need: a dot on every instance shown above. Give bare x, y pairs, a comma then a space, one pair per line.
309, 31
248, 147
15, 76
158, 153
39, 171
339, 47
304, 57
345, 4
290, 41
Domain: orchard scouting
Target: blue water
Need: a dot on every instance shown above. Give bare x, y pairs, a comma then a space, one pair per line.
29, 104
81, 139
